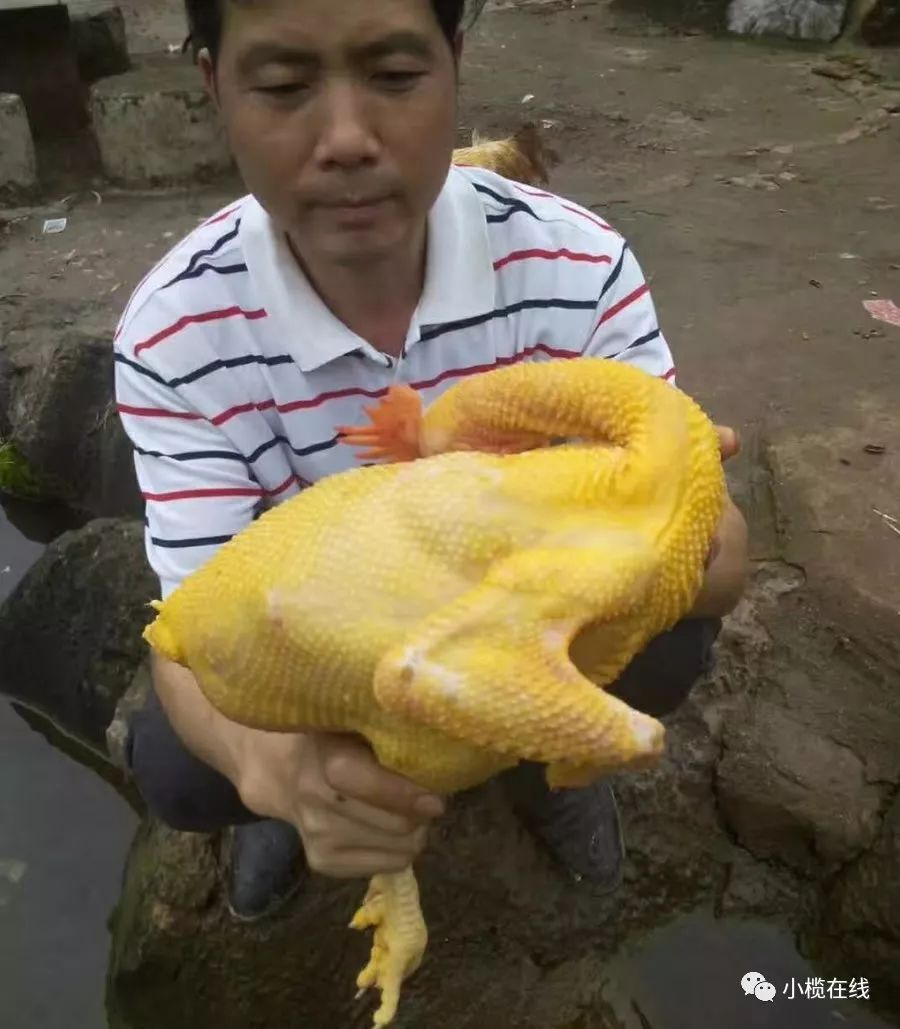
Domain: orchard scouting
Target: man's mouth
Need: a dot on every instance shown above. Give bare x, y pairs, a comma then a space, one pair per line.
352, 203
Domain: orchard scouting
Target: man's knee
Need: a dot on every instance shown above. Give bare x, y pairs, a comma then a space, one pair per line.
178, 788
660, 678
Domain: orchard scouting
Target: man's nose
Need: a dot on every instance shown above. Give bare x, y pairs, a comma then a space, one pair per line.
346, 137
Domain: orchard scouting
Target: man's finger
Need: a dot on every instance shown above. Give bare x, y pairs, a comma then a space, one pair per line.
344, 834
352, 770
360, 864
361, 813
729, 442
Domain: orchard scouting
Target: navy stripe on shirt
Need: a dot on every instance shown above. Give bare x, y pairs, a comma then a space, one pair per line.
207, 369
202, 541
504, 312
248, 459
512, 204
215, 248
430, 333
195, 273
643, 339
614, 274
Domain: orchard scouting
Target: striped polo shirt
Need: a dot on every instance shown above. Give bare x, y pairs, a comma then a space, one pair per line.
231, 374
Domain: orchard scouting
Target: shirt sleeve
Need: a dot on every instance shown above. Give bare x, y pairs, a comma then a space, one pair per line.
198, 489
626, 327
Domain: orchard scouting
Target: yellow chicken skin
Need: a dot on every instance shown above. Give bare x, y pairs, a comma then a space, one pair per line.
460, 606
523, 157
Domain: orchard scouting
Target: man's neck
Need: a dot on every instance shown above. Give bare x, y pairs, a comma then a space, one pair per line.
375, 300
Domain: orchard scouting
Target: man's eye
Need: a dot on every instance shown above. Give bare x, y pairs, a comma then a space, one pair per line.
283, 89
398, 79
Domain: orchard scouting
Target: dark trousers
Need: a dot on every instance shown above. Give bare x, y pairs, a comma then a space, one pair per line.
189, 796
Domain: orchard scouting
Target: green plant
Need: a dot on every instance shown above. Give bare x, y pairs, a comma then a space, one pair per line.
17, 479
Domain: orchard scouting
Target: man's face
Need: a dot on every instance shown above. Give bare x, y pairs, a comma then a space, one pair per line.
341, 115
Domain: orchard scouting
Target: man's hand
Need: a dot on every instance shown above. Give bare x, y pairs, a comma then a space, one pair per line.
356, 819
726, 570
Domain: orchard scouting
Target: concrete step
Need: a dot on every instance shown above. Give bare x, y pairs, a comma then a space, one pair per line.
156, 125
98, 34
18, 168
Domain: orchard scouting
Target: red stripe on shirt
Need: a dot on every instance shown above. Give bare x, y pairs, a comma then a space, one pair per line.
198, 494
134, 294
156, 412
594, 221
336, 394
670, 374
235, 491
198, 319
221, 217
534, 192
137, 289
568, 207
296, 405
226, 416
377, 394
625, 302
461, 373
551, 255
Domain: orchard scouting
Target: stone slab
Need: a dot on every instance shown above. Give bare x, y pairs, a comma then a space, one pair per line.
98, 32
18, 168
793, 19
157, 126
836, 491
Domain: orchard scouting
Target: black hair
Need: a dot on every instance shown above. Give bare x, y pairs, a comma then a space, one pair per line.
205, 22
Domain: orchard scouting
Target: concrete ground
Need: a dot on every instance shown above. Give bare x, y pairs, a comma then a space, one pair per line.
756, 182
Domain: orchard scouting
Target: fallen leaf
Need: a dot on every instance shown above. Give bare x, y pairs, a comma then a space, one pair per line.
884, 310
12, 870
874, 448
816, 283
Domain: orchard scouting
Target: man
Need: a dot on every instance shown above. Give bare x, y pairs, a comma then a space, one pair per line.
359, 259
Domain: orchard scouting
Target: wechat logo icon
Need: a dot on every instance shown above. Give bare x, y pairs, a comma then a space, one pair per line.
755, 985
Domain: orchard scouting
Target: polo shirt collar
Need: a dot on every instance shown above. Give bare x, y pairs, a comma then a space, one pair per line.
459, 277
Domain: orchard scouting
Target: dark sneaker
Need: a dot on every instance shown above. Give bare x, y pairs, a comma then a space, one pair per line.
580, 826
266, 868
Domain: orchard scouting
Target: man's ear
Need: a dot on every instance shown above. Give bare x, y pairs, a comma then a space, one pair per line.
208, 70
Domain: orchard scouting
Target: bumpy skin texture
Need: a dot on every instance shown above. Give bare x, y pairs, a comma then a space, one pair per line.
522, 157
460, 611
